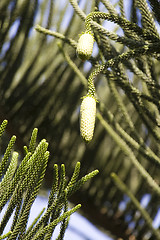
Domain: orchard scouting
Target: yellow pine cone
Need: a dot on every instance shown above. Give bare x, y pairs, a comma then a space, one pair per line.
85, 46
87, 118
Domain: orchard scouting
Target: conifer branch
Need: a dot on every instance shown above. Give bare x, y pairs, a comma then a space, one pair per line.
142, 210
5, 235
132, 120
109, 6
121, 8
56, 34
3, 126
35, 221
65, 222
128, 41
7, 154
120, 103
28, 201
32, 143
24, 187
126, 149
54, 189
80, 182
138, 145
124, 23
77, 9
49, 227
73, 66
11, 188
25, 182
74, 176
16, 214
147, 18
155, 5
9, 173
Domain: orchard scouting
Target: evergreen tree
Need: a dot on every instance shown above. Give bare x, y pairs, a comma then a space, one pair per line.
43, 82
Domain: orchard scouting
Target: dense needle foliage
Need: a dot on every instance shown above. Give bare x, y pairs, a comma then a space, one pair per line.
20, 186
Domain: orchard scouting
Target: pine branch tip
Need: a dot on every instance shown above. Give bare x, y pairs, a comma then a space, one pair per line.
113, 175
95, 172
78, 164
5, 122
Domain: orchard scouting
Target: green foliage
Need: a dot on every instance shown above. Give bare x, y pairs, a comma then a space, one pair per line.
43, 90
20, 185
140, 42
143, 212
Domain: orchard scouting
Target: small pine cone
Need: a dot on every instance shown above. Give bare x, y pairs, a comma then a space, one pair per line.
87, 118
85, 46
